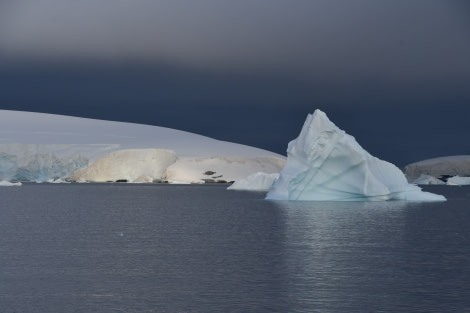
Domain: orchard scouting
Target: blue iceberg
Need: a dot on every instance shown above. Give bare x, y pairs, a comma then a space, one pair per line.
326, 164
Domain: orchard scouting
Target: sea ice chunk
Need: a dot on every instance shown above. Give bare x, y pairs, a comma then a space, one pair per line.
255, 182
458, 181
326, 164
4, 183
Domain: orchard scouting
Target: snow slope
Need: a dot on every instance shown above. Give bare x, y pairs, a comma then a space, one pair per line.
326, 164
49, 129
44, 147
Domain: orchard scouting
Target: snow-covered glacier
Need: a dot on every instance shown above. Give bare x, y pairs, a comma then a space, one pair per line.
46, 147
326, 164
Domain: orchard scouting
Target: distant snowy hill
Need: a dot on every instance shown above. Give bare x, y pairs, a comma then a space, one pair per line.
47, 147
457, 165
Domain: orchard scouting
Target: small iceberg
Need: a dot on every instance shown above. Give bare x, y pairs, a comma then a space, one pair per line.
326, 164
255, 182
458, 181
5, 183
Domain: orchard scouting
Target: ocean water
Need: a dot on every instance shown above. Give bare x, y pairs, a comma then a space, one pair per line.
169, 248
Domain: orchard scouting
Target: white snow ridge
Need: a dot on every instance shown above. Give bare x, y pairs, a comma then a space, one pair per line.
326, 164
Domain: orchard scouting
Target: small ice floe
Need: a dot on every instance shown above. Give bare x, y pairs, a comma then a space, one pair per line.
458, 181
5, 183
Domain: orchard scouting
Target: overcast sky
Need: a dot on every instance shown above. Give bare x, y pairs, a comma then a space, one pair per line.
394, 74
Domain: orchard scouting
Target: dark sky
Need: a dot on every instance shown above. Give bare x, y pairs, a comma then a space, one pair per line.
394, 74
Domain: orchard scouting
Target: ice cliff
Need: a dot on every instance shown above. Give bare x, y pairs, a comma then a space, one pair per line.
326, 164
39, 163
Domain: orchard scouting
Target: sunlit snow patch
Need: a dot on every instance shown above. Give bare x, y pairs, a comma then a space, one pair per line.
326, 164
223, 169
133, 165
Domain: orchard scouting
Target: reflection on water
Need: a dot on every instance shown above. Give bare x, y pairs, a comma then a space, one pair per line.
376, 256
163, 248
338, 251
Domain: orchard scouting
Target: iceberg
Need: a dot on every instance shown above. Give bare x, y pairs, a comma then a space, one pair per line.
326, 164
255, 182
4, 183
458, 181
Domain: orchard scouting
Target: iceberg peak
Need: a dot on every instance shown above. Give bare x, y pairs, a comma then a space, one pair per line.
324, 163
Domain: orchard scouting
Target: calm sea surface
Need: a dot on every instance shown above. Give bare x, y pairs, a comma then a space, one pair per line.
167, 248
